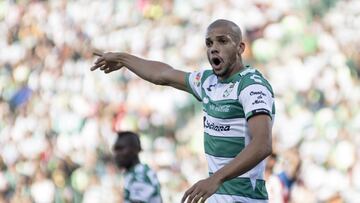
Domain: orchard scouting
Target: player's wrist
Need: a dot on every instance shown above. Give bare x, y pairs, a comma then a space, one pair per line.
218, 177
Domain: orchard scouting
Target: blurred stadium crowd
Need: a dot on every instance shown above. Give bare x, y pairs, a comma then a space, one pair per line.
57, 119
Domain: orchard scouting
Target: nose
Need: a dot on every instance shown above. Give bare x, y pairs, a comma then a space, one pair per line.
214, 49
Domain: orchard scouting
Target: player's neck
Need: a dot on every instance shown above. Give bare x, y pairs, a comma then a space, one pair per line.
236, 67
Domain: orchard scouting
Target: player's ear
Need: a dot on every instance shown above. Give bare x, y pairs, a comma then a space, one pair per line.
241, 48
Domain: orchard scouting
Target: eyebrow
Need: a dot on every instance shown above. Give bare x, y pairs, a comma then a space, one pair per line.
219, 37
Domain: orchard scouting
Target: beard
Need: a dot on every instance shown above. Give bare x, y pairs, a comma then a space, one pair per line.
223, 71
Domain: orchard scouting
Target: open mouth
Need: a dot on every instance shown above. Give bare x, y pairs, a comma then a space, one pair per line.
216, 61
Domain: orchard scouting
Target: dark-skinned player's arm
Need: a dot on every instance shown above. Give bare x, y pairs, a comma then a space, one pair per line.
258, 149
156, 72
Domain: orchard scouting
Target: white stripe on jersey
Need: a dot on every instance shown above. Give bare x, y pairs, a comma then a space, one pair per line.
238, 126
218, 95
195, 81
216, 163
216, 198
256, 97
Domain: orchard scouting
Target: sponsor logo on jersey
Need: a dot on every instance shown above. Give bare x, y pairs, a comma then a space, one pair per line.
213, 126
228, 90
259, 94
259, 97
259, 101
222, 108
252, 93
210, 87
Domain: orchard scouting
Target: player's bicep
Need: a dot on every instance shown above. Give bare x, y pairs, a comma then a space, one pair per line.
260, 128
174, 78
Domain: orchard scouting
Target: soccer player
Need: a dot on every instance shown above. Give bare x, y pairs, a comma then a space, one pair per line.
238, 105
140, 182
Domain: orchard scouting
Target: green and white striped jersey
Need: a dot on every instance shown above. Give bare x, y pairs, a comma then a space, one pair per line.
227, 106
141, 185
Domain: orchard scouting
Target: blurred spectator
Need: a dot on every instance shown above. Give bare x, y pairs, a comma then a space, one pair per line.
280, 183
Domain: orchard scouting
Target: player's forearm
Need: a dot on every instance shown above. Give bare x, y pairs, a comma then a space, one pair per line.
148, 70
254, 153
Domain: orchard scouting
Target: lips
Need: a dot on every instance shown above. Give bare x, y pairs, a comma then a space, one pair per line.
216, 62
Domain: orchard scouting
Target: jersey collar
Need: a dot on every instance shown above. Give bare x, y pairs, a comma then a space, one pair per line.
231, 78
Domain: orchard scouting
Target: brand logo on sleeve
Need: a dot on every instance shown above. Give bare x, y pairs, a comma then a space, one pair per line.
259, 97
252, 93
197, 79
259, 101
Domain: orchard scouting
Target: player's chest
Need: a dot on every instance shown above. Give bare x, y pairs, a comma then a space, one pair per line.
220, 91
221, 98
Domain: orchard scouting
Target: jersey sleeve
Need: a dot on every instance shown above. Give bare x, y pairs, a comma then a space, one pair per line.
193, 83
256, 96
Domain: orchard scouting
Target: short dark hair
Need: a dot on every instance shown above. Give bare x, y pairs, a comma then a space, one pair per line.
234, 28
132, 137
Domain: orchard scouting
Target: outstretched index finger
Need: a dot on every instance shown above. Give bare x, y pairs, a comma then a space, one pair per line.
98, 53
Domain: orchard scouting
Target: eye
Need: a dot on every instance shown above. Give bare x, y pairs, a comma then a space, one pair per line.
222, 41
208, 43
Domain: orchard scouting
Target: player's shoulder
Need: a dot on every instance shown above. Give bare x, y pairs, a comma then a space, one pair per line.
144, 173
200, 75
206, 73
139, 171
251, 76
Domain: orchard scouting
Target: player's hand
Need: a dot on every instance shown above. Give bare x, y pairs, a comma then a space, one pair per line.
201, 190
106, 62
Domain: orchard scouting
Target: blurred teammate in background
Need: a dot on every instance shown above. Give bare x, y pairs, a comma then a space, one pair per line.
238, 105
140, 182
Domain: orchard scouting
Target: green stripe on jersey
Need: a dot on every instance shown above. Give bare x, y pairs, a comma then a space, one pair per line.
224, 109
254, 78
205, 75
243, 187
273, 109
228, 147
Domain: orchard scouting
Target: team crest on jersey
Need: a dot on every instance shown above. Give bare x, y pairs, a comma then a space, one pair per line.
197, 79
229, 90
